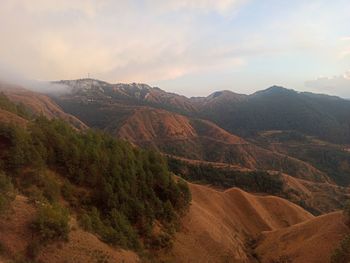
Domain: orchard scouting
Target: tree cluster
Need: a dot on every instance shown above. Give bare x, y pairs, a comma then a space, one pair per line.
127, 189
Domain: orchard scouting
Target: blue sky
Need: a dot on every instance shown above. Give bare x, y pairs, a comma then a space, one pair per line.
189, 47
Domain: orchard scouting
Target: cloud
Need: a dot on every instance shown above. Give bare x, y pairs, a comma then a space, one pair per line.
116, 40
345, 38
156, 40
222, 7
339, 85
8, 75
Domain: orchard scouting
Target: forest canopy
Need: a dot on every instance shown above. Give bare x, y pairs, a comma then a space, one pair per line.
127, 189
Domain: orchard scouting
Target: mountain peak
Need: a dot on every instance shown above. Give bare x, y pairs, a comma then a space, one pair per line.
275, 90
220, 93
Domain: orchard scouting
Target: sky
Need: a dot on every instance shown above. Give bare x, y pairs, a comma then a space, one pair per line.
188, 47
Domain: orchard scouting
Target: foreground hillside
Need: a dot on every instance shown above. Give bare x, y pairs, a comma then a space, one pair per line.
219, 224
124, 195
229, 226
316, 197
16, 236
311, 241
235, 226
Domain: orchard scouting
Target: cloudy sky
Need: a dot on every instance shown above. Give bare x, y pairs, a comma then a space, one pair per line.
191, 47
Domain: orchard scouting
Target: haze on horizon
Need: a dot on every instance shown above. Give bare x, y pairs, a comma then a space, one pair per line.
188, 47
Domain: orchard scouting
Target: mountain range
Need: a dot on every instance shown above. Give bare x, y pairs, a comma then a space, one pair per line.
234, 150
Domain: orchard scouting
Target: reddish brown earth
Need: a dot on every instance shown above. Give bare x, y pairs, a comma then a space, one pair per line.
9, 117
310, 241
217, 228
15, 236
197, 139
148, 124
218, 224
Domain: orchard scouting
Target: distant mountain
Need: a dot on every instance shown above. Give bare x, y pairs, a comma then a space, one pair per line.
277, 108
102, 107
90, 90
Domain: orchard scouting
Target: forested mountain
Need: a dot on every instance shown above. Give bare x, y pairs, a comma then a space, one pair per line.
276, 108
116, 190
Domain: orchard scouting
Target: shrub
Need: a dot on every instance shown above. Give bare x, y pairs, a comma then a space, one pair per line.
33, 249
6, 192
43, 182
342, 253
35, 194
67, 191
51, 223
161, 241
346, 212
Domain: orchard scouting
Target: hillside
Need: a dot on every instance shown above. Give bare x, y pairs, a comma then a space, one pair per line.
197, 139
331, 158
124, 196
219, 224
316, 197
16, 236
9, 117
310, 241
38, 104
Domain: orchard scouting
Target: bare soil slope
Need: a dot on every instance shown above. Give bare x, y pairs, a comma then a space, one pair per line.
9, 117
312, 241
197, 139
219, 224
148, 124
15, 236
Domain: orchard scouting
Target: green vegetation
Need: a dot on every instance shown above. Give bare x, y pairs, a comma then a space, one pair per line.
6, 192
346, 212
18, 109
329, 159
51, 223
342, 253
280, 109
119, 191
255, 181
